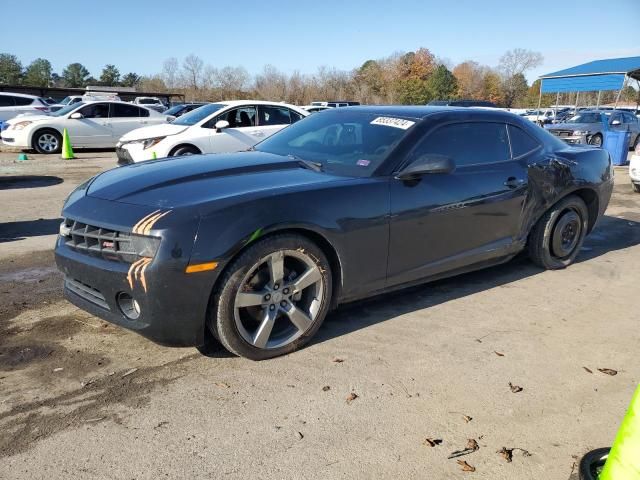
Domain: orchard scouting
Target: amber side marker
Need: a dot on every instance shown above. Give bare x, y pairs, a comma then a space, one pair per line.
201, 267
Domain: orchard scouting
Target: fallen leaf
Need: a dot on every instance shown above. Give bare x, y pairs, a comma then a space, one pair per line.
608, 371
515, 388
432, 442
472, 444
326, 388
507, 453
499, 354
588, 370
129, 372
467, 418
351, 397
337, 360
222, 385
466, 467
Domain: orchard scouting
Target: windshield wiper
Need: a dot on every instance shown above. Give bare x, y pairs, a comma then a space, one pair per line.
315, 166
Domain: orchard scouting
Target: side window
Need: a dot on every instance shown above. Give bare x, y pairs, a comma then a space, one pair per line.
96, 110
6, 101
630, 118
470, 143
143, 112
295, 116
22, 101
124, 110
273, 115
237, 118
521, 142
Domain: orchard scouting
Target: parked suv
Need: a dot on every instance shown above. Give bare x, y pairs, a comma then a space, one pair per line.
588, 126
150, 102
12, 104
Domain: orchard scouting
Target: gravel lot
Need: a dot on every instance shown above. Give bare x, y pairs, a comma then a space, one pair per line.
80, 398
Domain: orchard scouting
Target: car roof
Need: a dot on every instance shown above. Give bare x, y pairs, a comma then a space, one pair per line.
420, 111
24, 95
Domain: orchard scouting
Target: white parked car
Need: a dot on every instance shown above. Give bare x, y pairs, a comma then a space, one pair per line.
634, 169
314, 108
87, 97
96, 124
213, 128
150, 102
13, 104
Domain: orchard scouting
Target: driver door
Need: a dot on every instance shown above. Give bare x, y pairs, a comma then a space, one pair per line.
240, 134
93, 129
445, 221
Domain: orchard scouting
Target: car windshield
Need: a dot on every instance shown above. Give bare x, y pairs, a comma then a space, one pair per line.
64, 110
585, 118
173, 110
341, 142
65, 101
194, 116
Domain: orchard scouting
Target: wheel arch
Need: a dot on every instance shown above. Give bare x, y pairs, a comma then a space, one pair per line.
588, 195
181, 145
32, 135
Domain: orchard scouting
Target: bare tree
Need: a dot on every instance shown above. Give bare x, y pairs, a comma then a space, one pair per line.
513, 65
170, 69
192, 67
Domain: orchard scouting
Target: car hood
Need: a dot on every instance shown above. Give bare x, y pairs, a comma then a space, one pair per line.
23, 117
153, 131
201, 179
573, 126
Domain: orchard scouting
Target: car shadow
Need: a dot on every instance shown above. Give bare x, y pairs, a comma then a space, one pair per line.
12, 231
610, 234
13, 182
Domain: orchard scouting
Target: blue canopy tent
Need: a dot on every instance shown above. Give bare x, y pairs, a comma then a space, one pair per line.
596, 76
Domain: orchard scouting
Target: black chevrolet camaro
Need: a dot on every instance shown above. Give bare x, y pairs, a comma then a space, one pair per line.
254, 248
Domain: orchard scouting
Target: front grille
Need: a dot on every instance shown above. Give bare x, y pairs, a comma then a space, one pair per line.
562, 133
90, 294
100, 242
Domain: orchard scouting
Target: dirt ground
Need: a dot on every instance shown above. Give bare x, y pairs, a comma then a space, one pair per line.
82, 399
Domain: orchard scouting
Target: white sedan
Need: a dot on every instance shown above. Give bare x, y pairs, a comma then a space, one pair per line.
213, 128
97, 124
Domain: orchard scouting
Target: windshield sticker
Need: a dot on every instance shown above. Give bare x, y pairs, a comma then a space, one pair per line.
393, 122
363, 163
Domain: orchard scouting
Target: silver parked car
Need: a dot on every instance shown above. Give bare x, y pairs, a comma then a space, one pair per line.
588, 126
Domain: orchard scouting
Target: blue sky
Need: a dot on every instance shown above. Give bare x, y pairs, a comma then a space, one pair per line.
137, 35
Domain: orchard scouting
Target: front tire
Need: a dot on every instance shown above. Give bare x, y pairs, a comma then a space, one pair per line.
596, 140
47, 141
272, 298
556, 239
636, 187
184, 150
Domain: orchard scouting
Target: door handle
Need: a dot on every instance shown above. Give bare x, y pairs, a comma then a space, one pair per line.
257, 133
513, 182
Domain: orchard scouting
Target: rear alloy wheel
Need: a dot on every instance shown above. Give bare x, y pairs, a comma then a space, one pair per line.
273, 297
596, 140
47, 141
186, 150
555, 241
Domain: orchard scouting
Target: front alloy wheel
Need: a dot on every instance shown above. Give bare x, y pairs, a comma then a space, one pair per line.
273, 297
48, 142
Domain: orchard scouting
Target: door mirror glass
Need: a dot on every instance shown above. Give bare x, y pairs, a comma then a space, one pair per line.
76, 116
615, 122
221, 125
429, 163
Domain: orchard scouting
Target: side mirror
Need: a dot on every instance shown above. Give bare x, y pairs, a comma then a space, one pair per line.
76, 115
429, 163
221, 125
616, 122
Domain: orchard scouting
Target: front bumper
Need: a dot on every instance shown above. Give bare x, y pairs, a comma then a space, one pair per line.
634, 169
173, 304
134, 152
15, 138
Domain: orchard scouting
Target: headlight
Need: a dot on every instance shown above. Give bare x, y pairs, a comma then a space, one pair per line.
145, 246
580, 132
21, 125
150, 142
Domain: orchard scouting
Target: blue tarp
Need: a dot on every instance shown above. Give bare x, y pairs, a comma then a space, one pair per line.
593, 76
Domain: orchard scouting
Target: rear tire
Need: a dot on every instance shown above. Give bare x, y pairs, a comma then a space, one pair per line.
556, 239
47, 141
184, 150
636, 187
257, 317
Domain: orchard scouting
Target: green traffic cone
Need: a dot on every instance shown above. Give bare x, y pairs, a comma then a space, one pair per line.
22, 157
623, 462
67, 151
